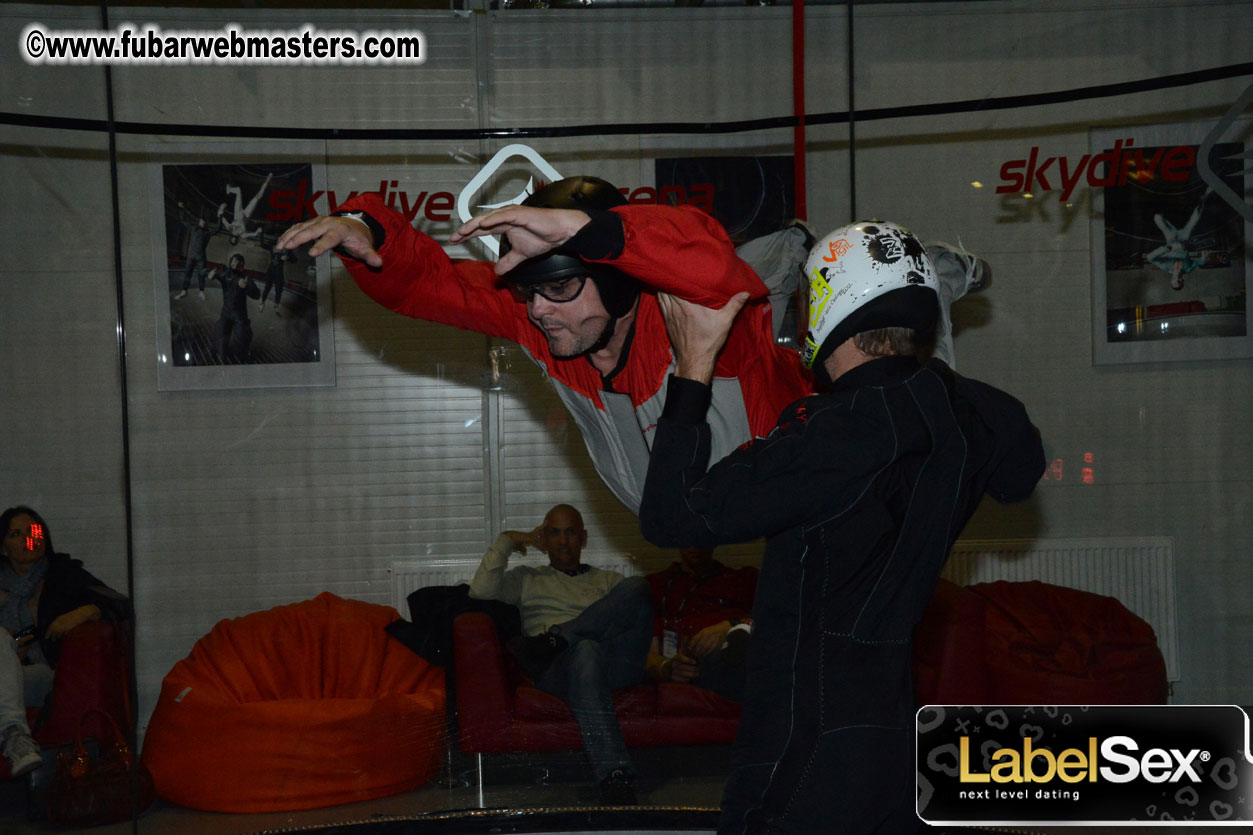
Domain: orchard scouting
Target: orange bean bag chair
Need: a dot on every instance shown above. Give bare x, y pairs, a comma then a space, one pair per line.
306, 705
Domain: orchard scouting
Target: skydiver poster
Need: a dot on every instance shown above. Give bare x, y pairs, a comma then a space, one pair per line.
1170, 257
232, 312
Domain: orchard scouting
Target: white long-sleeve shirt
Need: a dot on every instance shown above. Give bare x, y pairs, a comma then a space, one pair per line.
544, 595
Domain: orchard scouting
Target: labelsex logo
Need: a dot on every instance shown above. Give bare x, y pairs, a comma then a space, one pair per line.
1040, 765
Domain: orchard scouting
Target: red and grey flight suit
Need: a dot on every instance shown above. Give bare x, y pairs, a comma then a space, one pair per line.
675, 250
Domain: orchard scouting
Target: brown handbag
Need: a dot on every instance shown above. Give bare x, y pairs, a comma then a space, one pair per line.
92, 789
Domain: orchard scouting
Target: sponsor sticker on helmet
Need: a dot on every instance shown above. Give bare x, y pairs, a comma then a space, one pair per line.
809, 351
837, 247
819, 295
886, 248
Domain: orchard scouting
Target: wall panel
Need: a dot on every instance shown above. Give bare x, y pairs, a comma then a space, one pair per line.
1168, 439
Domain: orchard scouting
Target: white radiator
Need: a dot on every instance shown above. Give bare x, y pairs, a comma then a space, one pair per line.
410, 575
1139, 572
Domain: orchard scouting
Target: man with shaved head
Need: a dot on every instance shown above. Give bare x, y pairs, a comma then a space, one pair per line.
586, 633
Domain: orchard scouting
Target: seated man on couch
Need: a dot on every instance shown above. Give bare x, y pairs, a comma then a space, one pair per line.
585, 633
702, 616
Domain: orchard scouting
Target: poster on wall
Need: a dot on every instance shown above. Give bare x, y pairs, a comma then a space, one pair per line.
232, 312
1170, 259
750, 196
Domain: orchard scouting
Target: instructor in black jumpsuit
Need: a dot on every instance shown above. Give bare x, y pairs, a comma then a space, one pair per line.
861, 491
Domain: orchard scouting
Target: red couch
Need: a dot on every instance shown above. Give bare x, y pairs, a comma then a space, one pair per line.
93, 671
993, 643
498, 709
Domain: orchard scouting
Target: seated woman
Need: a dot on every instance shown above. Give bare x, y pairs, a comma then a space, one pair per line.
43, 595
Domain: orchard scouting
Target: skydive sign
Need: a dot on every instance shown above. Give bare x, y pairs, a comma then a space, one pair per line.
1037, 173
293, 205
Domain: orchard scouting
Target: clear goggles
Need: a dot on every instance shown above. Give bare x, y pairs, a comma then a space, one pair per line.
559, 291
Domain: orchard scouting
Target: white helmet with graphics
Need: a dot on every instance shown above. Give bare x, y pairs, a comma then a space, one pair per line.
864, 276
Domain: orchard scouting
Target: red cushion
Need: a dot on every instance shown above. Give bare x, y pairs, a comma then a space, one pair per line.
675, 699
305, 705
533, 703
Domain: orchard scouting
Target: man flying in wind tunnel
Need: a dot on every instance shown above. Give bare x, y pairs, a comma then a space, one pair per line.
581, 270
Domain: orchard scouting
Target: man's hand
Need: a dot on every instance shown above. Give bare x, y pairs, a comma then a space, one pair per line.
697, 333
330, 232
23, 646
75, 617
531, 231
684, 668
243, 283
708, 639
521, 540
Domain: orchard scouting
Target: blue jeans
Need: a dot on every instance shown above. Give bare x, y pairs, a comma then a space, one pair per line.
608, 645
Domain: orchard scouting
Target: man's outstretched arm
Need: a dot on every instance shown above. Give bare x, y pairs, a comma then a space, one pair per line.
531, 231
408, 272
681, 251
684, 252
329, 232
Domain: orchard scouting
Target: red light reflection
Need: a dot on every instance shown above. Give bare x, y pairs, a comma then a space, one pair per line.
1056, 469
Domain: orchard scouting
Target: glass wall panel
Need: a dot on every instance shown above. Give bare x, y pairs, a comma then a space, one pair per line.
65, 572
279, 465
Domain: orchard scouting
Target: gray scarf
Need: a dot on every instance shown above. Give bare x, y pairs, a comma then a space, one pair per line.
15, 614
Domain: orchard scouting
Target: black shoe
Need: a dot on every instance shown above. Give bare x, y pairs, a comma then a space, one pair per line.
536, 653
618, 789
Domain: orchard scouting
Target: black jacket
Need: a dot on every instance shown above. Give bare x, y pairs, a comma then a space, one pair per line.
433, 610
827, 449
862, 493
67, 586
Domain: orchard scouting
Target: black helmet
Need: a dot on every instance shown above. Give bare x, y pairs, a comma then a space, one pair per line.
618, 291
